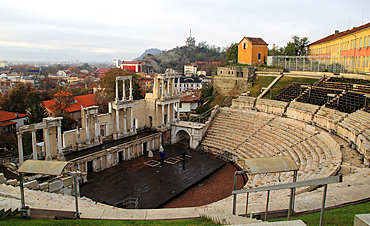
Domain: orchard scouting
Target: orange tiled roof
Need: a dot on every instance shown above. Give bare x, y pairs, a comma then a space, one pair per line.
6, 116
190, 98
84, 100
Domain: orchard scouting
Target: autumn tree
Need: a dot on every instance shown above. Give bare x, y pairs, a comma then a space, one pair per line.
63, 101
109, 82
74, 69
18, 98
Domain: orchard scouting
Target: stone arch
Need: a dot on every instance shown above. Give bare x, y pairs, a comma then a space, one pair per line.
183, 133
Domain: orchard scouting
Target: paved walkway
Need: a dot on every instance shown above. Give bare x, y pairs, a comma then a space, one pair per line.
355, 187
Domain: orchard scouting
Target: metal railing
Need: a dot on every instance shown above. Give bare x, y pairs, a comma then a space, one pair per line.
292, 186
202, 116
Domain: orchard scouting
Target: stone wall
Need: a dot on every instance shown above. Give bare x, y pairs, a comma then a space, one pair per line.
233, 81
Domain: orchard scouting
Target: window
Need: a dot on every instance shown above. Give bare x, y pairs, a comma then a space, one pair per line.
244, 45
259, 56
367, 62
365, 41
360, 44
180, 104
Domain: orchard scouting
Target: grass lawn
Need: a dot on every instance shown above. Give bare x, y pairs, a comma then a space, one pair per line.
22, 221
340, 216
262, 81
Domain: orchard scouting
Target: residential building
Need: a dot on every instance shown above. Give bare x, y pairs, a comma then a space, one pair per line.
134, 66
117, 63
10, 121
190, 70
101, 71
187, 83
65, 73
75, 107
252, 51
147, 84
350, 49
189, 102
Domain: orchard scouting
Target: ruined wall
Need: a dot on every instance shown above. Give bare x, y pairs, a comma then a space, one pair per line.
233, 81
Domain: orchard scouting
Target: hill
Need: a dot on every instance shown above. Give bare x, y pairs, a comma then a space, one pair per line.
152, 51
177, 57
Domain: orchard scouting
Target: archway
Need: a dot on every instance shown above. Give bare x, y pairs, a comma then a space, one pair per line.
183, 137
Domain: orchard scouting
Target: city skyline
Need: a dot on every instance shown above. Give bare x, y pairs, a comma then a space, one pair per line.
85, 31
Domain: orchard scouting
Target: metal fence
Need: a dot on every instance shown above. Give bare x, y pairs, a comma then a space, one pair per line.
335, 64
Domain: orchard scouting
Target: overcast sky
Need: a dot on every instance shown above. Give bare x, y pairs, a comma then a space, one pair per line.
107, 30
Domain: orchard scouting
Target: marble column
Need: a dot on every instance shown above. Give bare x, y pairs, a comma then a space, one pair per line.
34, 147
124, 91
87, 129
168, 113
133, 128
130, 89
60, 150
20, 148
124, 121
162, 114
178, 110
117, 98
96, 137
47, 145
117, 121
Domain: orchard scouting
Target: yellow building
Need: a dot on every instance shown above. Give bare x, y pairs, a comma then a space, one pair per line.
348, 48
252, 51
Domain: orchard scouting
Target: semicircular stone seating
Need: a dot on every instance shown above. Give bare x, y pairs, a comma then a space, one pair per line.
252, 134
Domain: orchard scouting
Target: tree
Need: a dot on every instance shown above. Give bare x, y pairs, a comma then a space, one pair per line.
109, 82
232, 53
298, 47
74, 69
36, 110
101, 99
18, 98
63, 100
137, 91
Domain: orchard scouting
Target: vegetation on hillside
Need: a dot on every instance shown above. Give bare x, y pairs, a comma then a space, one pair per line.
178, 57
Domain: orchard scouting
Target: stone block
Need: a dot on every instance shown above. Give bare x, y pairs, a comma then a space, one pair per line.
56, 185
67, 181
31, 184
2, 178
44, 186
362, 220
66, 190
12, 182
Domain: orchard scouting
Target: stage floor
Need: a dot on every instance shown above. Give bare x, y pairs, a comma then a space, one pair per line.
153, 186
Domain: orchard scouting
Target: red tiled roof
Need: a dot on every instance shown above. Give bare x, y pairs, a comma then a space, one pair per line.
191, 97
340, 34
130, 62
6, 116
7, 123
255, 41
86, 101
102, 70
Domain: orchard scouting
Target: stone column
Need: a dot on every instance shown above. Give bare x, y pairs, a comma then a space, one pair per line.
162, 88
34, 147
47, 145
117, 98
87, 129
162, 114
132, 129
20, 148
124, 121
168, 113
117, 121
130, 89
173, 113
178, 84
60, 150
78, 137
96, 137
142, 148
168, 87
178, 110
124, 91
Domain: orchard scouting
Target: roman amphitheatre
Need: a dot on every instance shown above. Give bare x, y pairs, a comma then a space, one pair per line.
324, 128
